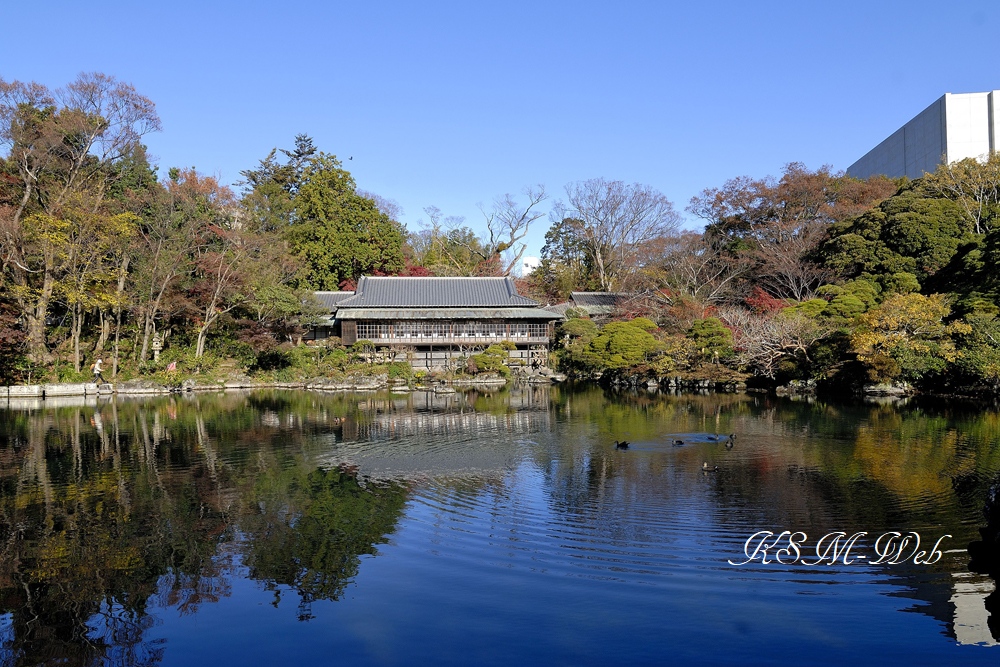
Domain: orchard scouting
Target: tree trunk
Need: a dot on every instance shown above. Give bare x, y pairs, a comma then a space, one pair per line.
118, 329
203, 335
38, 349
147, 332
200, 349
102, 340
149, 321
77, 326
118, 312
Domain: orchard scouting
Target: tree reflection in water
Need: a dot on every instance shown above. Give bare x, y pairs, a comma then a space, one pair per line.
109, 512
308, 536
105, 512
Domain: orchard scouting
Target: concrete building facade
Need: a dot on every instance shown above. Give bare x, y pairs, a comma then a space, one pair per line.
955, 127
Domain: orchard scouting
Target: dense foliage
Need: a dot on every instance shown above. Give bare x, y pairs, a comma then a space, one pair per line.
809, 275
814, 276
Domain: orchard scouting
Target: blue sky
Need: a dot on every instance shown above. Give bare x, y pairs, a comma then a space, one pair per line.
453, 103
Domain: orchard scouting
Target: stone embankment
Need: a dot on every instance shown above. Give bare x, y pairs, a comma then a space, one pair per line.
350, 383
51, 390
674, 384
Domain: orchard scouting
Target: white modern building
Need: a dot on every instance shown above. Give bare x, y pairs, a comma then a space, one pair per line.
955, 127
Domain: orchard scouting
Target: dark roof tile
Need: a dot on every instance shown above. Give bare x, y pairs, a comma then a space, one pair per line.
332, 300
584, 299
381, 292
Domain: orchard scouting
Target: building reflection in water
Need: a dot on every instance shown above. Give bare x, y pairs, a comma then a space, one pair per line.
109, 510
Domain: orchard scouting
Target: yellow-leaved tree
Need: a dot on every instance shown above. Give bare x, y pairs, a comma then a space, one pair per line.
906, 337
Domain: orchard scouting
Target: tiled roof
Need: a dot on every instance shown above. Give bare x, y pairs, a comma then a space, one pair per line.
584, 299
559, 308
382, 292
332, 300
446, 314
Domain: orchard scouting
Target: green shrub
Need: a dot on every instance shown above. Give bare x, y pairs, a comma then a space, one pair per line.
363, 350
620, 345
65, 373
272, 360
812, 308
900, 283
644, 323
399, 370
843, 308
579, 328
492, 360
242, 353
713, 338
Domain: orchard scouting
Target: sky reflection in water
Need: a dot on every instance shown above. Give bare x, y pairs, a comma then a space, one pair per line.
483, 528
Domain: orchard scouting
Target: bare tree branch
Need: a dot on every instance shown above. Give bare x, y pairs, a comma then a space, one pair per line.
618, 219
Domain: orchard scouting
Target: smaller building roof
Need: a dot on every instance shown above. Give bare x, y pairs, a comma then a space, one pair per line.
590, 299
331, 300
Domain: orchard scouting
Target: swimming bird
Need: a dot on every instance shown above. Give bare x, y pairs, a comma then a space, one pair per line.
707, 468
621, 445
677, 443
730, 442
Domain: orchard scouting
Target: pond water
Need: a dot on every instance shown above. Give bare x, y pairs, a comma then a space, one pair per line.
492, 528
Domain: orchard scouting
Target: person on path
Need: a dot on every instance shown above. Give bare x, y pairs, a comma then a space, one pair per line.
97, 368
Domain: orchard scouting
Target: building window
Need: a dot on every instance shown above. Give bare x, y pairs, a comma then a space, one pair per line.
470, 330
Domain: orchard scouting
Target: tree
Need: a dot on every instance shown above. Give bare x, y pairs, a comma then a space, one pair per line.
974, 185
450, 248
764, 340
225, 270
12, 346
446, 246
906, 337
63, 146
565, 264
980, 348
167, 243
95, 265
915, 231
337, 234
780, 222
702, 267
617, 221
269, 190
507, 222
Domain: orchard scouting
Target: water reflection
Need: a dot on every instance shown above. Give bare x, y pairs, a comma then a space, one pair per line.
112, 512
108, 510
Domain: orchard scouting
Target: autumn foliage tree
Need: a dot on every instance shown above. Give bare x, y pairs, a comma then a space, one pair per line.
780, 222
66, 149
616, 222
907, 337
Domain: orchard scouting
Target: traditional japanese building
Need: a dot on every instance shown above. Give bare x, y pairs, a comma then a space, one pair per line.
328, 325
597, 305
432, 322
